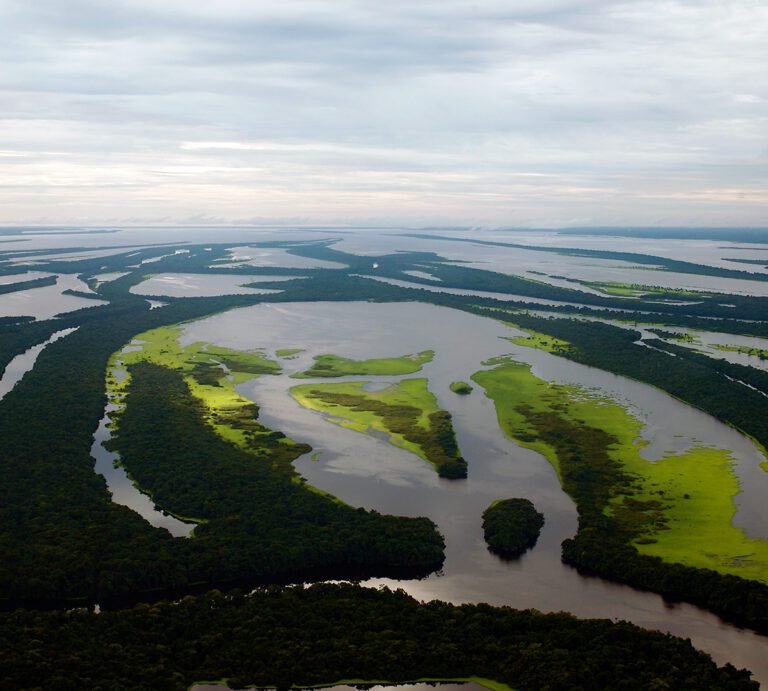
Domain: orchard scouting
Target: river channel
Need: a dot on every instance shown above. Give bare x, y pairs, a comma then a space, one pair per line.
369, 472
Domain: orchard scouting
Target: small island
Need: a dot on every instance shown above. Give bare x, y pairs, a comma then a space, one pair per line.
406, 412
461, 388
511, 526
288, 353
335, 366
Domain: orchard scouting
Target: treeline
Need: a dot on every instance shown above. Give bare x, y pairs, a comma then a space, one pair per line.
511, 526
694, 378
27, 285
738, 307
62, 536
751, 376
286, 637
18, 337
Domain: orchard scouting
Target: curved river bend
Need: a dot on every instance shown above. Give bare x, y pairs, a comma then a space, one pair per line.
365, 471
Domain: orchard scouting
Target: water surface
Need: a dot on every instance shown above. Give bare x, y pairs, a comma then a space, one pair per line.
366, 471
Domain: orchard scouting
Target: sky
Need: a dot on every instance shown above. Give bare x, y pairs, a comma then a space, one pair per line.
500, 113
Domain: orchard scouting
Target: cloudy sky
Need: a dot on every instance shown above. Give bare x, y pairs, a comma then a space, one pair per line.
417, 112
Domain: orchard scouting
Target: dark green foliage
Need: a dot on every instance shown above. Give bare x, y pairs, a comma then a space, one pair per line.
751, 376
63, 537
461, 388
297, 636
591, 477
18, 337
511, 526
691, 377
259, 520
14, 321
28, 285
438, 442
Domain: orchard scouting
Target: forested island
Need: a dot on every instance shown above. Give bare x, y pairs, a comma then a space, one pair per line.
511, 526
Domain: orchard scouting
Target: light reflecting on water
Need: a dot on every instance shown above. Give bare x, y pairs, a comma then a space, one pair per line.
203, 285
515, 260
507, 297
47, 302
274, 257
366, 471
23, 363
121, 486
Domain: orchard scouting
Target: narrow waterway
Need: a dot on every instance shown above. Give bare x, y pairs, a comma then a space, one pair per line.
23, 363
120, 485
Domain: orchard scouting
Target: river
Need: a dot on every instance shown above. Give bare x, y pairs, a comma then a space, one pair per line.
365, 471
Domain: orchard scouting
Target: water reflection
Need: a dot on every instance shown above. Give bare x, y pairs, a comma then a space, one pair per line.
203, 285
274, 257
47, 302
507, 297
23, 363
121, 486
365, 471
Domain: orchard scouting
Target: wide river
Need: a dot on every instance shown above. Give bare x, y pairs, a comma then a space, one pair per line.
369, 472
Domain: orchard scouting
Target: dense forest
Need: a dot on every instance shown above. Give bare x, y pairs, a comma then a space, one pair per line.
287, 637
512, 526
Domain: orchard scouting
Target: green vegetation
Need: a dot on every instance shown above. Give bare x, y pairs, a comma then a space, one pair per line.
288, 353
511, 526
261, 518
407, 412
616, 516
760, 353
615, 288
678, 508
293, 637
663, 263
65, 541
367, 683
711, 384
211, 373
641, 290
200, 450
335, 366
461, 388
680, 336
541, 341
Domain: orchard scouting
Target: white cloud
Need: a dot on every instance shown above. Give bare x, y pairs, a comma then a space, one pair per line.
491, 111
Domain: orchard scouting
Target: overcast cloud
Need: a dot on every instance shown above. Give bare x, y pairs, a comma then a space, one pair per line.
516, 112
